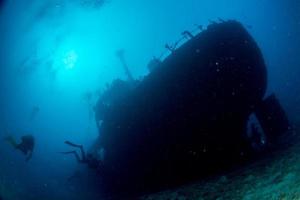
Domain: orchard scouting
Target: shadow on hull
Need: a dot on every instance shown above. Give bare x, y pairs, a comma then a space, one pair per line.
188, 117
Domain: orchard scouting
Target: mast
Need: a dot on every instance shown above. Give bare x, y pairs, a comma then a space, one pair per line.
120, 55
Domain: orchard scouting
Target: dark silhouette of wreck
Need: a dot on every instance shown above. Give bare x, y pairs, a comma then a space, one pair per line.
189, 116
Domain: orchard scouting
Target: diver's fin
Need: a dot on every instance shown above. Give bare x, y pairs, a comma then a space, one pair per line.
72, 144
272, 118
11, 140
67, 152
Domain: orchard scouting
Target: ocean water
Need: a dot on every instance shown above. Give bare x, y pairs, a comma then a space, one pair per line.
58, 58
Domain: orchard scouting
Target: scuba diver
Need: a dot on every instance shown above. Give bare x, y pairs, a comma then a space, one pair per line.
91, 161
26, 146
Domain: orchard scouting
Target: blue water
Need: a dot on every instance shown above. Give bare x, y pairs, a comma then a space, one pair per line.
59, 55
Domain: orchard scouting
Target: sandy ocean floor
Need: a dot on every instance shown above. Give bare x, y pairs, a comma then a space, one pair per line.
276, 177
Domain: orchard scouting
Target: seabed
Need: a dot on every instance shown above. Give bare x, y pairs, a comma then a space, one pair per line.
275, 177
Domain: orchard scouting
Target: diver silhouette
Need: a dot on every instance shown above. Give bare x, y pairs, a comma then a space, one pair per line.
91, 161
26, 145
